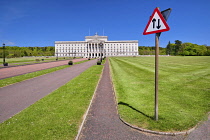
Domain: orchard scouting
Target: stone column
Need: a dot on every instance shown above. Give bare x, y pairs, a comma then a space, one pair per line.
93, 49
88, 50
97, 49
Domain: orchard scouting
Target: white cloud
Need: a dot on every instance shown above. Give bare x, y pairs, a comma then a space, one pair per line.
8, 43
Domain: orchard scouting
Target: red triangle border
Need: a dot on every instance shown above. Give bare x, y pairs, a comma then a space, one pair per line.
163, 20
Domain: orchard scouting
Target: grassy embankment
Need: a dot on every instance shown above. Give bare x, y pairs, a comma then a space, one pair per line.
56, 116
31, 60
184, 91
16, 79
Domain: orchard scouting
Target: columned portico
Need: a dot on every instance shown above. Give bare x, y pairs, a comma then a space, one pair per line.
95, 47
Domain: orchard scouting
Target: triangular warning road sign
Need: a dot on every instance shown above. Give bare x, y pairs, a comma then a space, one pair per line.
156, 23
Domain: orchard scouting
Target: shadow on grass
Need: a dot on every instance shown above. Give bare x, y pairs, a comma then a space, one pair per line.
122, 103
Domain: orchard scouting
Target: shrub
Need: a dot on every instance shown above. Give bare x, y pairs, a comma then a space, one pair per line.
70, 62
98, 62
5, 64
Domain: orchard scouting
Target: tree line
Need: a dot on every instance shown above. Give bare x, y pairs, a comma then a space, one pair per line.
15, 51
177, 49
147, 50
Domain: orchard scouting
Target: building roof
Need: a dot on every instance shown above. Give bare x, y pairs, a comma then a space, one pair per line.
96, 39
69, 42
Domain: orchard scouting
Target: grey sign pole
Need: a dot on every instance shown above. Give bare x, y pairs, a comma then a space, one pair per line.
155, 25
156, 73
165, 14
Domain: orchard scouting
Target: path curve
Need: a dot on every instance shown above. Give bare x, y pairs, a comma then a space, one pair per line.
102, 121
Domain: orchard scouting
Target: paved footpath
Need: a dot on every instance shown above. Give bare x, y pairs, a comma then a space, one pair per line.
7, 72
202, 132
103, 123
17, 97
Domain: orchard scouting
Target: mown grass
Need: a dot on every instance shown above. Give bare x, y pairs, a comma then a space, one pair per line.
31, 59
184, 91
16, 79
56, 116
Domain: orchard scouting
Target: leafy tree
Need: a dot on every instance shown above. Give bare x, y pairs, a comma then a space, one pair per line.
177, 42
208, 51
16, 51
200, 50
25, 53
168, 48
146, 50
177, 46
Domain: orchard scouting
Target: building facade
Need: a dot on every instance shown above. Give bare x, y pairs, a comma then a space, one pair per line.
96, 46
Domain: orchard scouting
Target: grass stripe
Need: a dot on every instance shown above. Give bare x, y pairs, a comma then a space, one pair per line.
184, 91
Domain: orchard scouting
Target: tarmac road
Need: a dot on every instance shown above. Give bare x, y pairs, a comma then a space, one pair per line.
7, 72
19, 96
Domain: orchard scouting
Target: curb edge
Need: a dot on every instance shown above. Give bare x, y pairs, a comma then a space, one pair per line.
146, 130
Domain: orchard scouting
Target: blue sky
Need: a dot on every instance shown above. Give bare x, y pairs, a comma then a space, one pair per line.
41, 22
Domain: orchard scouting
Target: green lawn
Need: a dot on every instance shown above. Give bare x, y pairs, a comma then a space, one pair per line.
27, 59
184, 91
31, 60
56, 116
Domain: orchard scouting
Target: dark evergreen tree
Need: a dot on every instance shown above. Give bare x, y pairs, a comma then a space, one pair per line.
168, 48
177, 46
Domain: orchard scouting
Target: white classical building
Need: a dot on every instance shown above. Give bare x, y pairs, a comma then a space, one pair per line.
96, 46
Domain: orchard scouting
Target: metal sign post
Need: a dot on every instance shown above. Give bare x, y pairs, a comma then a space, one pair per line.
156, 73
157, 24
